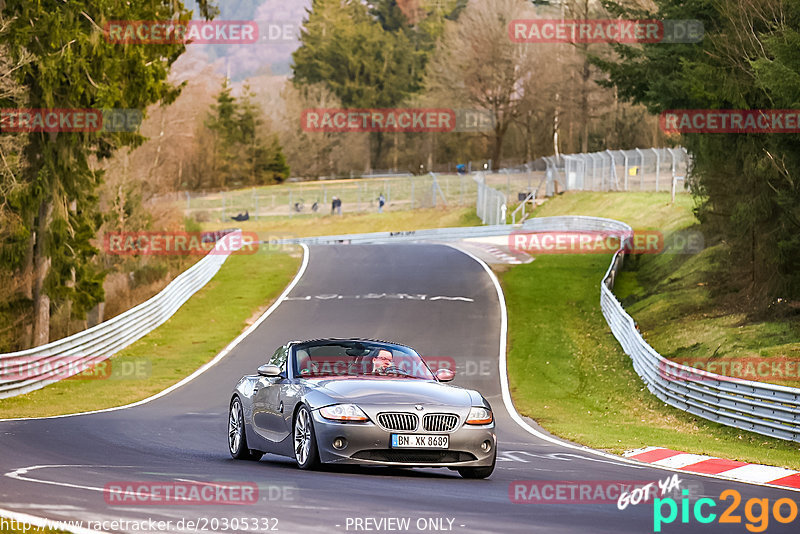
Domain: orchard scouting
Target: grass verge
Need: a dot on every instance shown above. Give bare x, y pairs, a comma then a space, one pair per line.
568, 372
278, 227
199, 330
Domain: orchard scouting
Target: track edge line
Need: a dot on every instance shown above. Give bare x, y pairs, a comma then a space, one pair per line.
206, 366
512, 410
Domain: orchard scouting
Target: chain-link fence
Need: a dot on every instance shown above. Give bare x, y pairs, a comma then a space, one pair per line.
650, 169
612, 170
400, 192
490, 204
640, 169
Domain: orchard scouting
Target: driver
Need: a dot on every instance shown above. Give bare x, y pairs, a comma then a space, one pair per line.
382, 361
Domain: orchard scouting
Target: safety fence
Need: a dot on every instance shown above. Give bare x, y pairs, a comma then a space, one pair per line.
760, 407
764, 408
359, 195
767, 409
31, 369
640, 169
491, 204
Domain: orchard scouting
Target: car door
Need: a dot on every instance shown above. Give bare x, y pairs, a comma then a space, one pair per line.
268, 401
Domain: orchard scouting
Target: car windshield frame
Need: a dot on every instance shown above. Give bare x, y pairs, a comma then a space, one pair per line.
359, 360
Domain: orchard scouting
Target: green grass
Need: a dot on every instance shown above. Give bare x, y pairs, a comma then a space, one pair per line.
683, 317
278, 227
568, 372
652, 211
216, 314
202, 327
358, 195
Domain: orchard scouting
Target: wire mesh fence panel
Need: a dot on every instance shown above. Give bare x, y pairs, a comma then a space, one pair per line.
640, 169
359, 195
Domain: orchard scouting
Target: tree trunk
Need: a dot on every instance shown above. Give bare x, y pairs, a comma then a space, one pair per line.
585, 107
585, 75
431, 151
395, 156
376, 157
27, 270
41, 262
497, 149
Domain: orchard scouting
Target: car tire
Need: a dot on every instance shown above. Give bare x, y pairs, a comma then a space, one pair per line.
306, 453
478, 472
237, 438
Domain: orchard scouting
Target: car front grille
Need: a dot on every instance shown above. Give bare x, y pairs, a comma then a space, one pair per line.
439, 422
398, 421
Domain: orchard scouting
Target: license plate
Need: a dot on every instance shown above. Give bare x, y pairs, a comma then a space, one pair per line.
420, 441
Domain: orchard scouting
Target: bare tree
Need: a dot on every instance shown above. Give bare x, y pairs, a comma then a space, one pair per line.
477, 65
314, 154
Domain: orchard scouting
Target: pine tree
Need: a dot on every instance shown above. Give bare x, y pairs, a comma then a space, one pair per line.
243, 154
73, 66
746, 184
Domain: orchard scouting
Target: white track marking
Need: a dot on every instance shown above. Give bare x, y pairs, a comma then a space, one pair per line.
19, 474
378, 296
205, 367
512, 411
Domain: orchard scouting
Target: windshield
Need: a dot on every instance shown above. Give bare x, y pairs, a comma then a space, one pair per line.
357, 358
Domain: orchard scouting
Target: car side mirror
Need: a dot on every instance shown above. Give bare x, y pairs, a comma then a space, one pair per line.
269, 370
445, 375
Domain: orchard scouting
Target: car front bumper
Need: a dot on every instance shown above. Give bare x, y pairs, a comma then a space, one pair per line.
369, 444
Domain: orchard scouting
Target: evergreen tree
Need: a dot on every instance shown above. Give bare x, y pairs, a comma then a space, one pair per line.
71, 65
746, 184
242, 153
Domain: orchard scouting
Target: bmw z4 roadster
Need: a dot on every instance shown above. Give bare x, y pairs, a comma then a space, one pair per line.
356, 401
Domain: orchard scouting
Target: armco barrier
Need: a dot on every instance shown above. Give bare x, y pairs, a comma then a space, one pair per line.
767, 409
46, 364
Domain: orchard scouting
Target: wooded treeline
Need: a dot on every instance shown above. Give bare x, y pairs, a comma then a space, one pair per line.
747, 185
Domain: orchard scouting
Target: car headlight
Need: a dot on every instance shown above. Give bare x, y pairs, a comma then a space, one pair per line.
343, 412
479, 416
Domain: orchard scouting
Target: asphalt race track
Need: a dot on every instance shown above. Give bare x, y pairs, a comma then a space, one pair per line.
432, 297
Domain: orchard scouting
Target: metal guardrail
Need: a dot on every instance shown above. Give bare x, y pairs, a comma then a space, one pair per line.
767, 409
759, 407
434, 234
32, 369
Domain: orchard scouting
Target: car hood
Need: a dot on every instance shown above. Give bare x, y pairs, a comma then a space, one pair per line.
392, 391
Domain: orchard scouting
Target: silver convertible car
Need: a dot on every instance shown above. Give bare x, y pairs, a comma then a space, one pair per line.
357, 401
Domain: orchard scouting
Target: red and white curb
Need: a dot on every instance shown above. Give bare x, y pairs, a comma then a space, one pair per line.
500, 254
495, 250
709, 465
